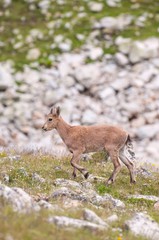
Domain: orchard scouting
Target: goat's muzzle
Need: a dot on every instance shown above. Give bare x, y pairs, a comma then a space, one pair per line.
44, 128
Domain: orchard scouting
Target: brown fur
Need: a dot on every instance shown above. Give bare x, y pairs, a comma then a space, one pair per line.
85, 139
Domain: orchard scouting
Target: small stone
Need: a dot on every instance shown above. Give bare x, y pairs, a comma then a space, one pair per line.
112, 218
71, 203
47, 205
113, 3
95, 53
124, 44
121, 59
95, 7
7, 3
36, 177
106, 93
156, 206
91, 216
6, 178
33, 54
65, 47
61, 182
23, 171
14, 158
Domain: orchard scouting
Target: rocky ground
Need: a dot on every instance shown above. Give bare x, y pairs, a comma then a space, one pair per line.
38, 198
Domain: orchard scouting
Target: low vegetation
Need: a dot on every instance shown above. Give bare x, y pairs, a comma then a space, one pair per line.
34, 225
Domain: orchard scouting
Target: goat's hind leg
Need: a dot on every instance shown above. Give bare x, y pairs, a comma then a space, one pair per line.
117, 166
129, 164
74, 173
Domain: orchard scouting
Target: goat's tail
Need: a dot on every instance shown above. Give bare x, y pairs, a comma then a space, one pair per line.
129, 148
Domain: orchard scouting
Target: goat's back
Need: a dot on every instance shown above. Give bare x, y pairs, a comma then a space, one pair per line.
99, 137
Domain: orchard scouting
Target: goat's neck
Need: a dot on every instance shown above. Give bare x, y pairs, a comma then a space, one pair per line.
63, 129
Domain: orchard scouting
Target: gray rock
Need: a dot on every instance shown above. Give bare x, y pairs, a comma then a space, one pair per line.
68, 193
62, 221
101, 200
18, 198
71, 203
6, 177
106, 93
89, 117
61, 182
124, 44
112, 218
65, 46
113, 3
144, 172
156, 206
47, 205
33, 54
91, 216
36, 177
87, 74
143, 225
6, 79
23, 171
121, 59
152, 150
95, 53
146, 197
11, 158
120, 84
115, 23
147, 131
154, 85
7, 3
144, 49
93, 178
52, 96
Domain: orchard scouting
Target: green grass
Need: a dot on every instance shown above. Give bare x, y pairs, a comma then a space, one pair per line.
34, 225
22, 18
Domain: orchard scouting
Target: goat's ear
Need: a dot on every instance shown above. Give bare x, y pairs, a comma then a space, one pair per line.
51, 111
55, 111
58, 111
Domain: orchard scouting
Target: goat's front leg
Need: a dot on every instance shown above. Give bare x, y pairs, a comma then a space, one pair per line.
74, 162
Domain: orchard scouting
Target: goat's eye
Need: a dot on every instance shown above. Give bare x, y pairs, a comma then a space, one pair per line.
50, 119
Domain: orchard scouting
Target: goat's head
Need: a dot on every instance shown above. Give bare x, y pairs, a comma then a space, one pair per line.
52, 119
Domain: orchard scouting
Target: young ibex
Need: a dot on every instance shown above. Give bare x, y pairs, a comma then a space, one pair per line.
85, 139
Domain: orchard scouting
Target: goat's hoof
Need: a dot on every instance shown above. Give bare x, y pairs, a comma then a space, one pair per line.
86, 175
133, 181
109, 182
74, 175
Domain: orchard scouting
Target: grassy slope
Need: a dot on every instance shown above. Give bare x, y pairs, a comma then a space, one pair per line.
34, 19
34, 226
